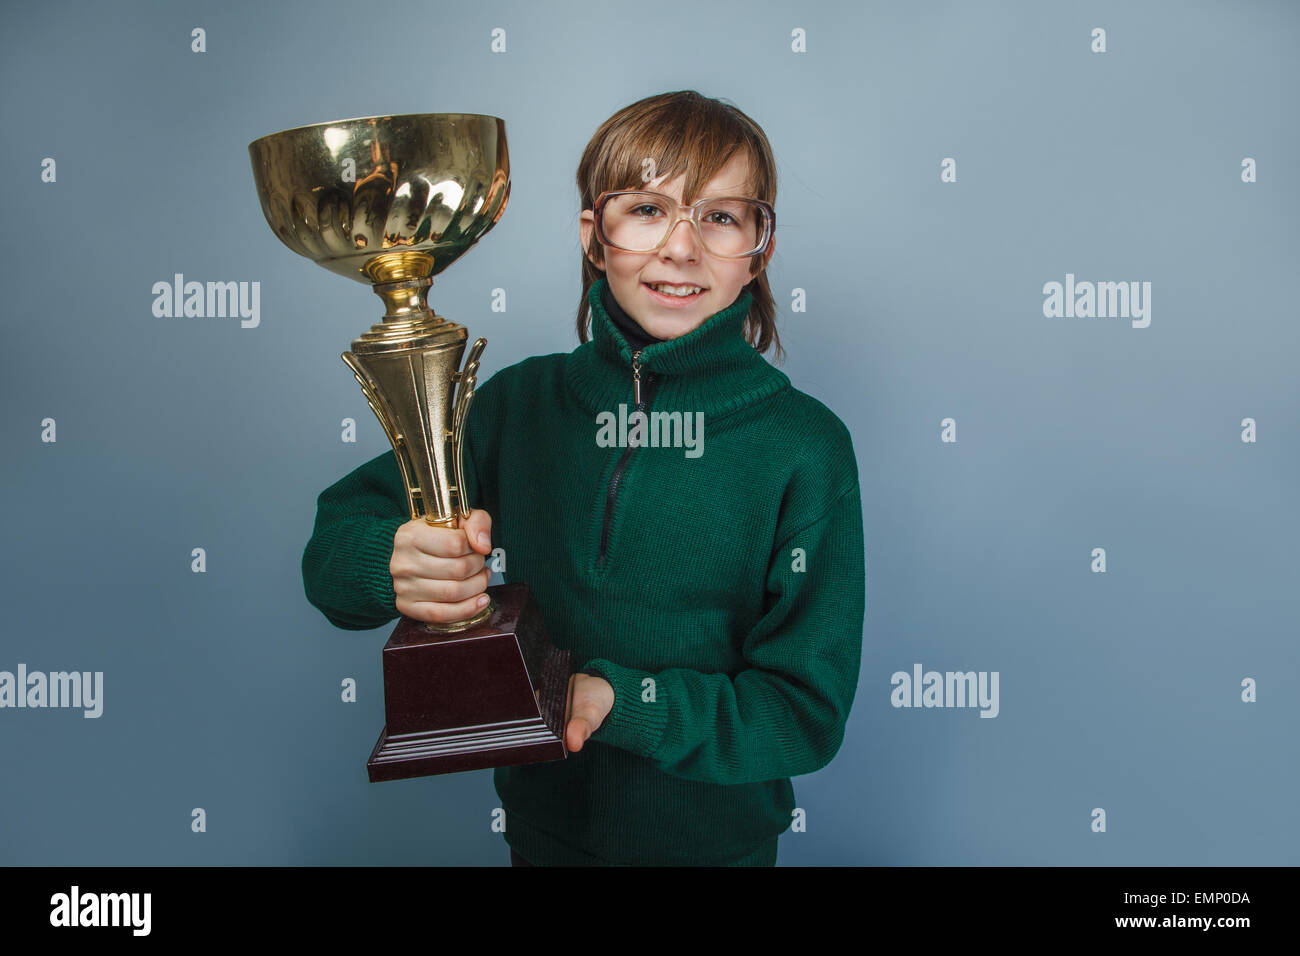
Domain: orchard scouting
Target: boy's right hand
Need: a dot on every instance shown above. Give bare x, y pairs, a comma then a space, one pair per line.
440, 574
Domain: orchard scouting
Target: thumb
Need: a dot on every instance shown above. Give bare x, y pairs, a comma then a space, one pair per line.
576, 733
478, 530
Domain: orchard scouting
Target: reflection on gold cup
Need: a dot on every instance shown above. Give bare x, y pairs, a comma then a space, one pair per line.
392, 201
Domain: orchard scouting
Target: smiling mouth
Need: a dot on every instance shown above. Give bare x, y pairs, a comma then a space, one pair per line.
679, 285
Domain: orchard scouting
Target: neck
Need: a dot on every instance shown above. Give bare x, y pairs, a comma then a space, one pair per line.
631, 330
710, 369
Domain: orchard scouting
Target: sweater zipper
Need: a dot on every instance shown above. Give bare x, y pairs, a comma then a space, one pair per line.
640, 403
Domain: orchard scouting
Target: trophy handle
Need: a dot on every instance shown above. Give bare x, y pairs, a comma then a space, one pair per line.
466, 379
389, 426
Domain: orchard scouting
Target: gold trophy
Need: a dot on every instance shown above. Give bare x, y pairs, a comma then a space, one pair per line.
392, 201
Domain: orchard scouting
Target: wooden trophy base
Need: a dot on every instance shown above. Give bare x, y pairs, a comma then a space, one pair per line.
488, 696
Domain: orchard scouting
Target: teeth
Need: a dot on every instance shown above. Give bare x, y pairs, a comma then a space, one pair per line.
676, 289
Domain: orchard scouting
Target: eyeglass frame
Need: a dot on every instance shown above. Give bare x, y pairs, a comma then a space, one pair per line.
692, 215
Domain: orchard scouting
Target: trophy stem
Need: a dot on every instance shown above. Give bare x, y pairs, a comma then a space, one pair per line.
409, 367
402, 280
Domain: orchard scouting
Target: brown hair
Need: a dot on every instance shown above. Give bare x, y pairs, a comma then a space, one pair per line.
687, 134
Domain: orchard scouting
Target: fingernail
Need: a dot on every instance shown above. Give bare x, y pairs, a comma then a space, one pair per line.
482, 600
483, 539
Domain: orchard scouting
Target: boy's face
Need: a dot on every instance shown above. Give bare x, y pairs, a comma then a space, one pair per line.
681, 261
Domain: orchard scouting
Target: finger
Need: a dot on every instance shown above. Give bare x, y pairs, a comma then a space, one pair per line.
478, 530
587, 709
443, 613
576, 734
444, 590
439, 542
444, 569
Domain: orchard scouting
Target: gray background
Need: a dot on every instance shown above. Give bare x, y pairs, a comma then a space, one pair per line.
1118, 690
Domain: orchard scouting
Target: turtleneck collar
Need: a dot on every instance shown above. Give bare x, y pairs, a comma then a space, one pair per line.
635, 336
710, 369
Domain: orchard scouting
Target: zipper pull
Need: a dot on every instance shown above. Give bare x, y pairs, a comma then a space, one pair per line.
636, 378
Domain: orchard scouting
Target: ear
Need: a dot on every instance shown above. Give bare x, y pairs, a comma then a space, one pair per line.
587, 227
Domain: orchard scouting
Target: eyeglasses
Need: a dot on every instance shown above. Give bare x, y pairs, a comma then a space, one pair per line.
640, 221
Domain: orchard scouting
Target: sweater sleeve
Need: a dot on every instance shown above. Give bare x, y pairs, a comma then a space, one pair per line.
345, 566
785, 714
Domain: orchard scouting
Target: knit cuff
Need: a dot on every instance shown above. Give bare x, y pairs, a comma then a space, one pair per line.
376, 557
635, 724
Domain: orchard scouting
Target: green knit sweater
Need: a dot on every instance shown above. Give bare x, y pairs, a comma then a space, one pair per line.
719, 588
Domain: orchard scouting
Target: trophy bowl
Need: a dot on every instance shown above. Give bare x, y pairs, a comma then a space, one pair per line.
384, 197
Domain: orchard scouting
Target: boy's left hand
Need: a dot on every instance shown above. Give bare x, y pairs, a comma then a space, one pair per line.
589, 702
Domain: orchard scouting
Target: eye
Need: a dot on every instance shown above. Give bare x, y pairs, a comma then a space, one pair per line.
730, 219
638, 210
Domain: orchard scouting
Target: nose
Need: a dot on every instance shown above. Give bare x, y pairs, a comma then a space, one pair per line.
683, 242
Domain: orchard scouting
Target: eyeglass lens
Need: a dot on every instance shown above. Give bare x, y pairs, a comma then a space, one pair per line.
637, 222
